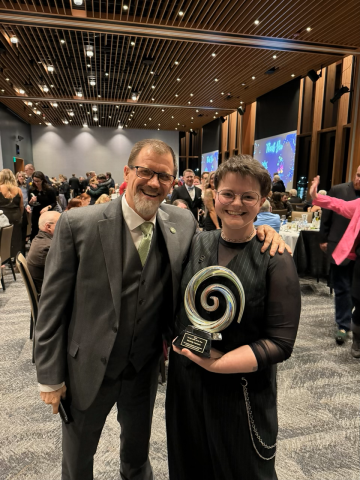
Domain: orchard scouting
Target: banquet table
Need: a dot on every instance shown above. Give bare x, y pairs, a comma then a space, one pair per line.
308, 256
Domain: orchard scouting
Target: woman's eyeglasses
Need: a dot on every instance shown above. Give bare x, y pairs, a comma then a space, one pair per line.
249, 199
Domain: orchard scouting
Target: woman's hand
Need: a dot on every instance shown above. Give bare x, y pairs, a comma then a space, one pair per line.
314, 187
264, 232
209, 364
45, 209
33, 200
28, 208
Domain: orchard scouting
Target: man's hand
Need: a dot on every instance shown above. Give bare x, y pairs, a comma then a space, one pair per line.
323, 247
53, 398
264, 232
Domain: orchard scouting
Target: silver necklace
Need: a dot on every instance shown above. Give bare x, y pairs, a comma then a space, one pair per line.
242, 240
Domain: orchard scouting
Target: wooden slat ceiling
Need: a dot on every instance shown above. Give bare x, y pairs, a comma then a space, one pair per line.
118, 61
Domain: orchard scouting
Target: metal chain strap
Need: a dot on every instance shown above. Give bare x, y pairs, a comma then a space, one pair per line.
251, 422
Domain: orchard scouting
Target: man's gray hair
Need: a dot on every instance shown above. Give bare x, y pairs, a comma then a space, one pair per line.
293, 192
265, 207
158, 146
48, 217
277, 178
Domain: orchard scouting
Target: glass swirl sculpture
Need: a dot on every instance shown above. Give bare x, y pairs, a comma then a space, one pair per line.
228, 317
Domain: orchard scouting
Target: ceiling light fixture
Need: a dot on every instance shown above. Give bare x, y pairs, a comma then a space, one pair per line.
339, 93
45, 88
22, 91
55, 105
29, 104
172, 116
274, 57
50, 68
7, 79
149, 118
152, 86
96, 118
132, 44
162, 110
314, 76
88, 65
85, 125
178, 79
257, 22
52, 86
125, 7
79, 93
197, 111
144, 124
189, 103
213, 54
66, 122
92, 83
106, 74
241, 110
121, 125
89, 50
153, 99
71, 114
308, 29
95, 108
99, 96
253, 78
191, 94
211, 101
293, 74
216, 79
176, 95
62, 41
176, 62
181, 13
78, 3
14, 39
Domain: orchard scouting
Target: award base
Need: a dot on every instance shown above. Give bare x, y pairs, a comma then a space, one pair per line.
196, 340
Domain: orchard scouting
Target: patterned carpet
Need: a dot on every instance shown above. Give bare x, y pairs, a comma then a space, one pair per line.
319, 400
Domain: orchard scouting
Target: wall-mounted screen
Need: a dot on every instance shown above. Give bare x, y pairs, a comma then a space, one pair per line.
209, 161
277, 155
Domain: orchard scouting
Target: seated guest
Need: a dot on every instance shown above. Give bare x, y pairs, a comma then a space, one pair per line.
294, 196
286, 203
100, 190
85, 199
276, 202
265, 217
103, 199
181, 204
316, 208
40, 247
278, 184
74, 203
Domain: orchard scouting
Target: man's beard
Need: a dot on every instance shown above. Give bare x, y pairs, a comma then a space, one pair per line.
144, 207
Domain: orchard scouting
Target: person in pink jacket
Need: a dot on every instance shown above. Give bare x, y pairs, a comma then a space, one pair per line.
348, 247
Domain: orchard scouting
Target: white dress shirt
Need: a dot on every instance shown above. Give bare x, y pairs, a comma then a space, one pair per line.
191, 191
133, 221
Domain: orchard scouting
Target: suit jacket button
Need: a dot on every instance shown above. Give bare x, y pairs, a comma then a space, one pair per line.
114, 329
103, 360
142, 282
141, 301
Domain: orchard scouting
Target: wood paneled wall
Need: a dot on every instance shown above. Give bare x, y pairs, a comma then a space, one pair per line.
354, 150
248, 129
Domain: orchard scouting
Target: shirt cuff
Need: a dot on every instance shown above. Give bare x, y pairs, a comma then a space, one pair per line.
50, 388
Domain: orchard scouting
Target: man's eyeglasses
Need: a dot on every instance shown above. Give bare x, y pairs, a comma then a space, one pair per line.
147, 174
249, 199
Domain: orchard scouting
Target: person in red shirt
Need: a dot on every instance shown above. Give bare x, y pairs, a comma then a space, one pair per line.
122, 188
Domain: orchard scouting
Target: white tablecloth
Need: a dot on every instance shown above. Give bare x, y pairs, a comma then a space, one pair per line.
290, 238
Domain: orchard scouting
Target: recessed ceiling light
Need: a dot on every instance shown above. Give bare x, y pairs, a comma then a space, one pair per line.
88, 65
121, 125
213, 54
125, 7
192, 118
216, 79
7, 79
81, 104
21, 91
274, 57
125, 125
30, 114
62, 41
211, 101
175, 128
222, 93
191, 129
189, 103
178, 79
257, 22
241, 102
29, 104
214, 116
172, 116
176, 95
243, 84
181, 13
99, 96
149, 118
96, 118
176, 62
144, 124
52, 86
45, 88
152, 73
197, 111
159, 124
89, 51
95, 109
109, 116
54, 105
178, 123
152, 86
162, 110
191, 94
66, 122
71, 114
85, 125
153, 99
253, 78
39, 123
50, 68
129, 86
88, 113
293, 74
158, 128
216, 113
117, 106
14, 39
308, 29
132, 43
99, 125
106, 74
79, 94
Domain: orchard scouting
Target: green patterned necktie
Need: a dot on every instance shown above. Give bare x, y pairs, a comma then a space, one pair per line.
144, 246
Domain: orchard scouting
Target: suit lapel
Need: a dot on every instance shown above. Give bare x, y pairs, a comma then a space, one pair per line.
172, 241
110, 230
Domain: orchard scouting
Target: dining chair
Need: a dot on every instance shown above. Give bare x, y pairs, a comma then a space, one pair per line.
299, 215
280, 212
5, 251
33, 296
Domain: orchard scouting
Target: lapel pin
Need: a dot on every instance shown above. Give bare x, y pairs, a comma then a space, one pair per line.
172, 230
202, 258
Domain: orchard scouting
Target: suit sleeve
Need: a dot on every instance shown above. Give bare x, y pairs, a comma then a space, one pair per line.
56, 306
174, 195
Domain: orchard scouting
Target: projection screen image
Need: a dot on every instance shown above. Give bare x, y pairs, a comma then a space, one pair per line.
209, 161
277, 155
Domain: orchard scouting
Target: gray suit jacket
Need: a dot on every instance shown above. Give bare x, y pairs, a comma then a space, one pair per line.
80, 306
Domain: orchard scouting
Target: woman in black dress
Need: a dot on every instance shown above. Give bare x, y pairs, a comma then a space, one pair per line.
221, 412
42, 198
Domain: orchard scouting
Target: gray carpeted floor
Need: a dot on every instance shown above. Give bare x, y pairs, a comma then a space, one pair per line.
319, 400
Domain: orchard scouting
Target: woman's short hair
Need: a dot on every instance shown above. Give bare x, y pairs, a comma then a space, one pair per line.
176, 203
322, 192
7, 178
74, 203
246, 166
103, 199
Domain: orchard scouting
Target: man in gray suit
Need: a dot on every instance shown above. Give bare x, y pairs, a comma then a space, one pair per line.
109, 296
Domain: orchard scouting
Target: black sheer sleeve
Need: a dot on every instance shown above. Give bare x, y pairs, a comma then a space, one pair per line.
282, 312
